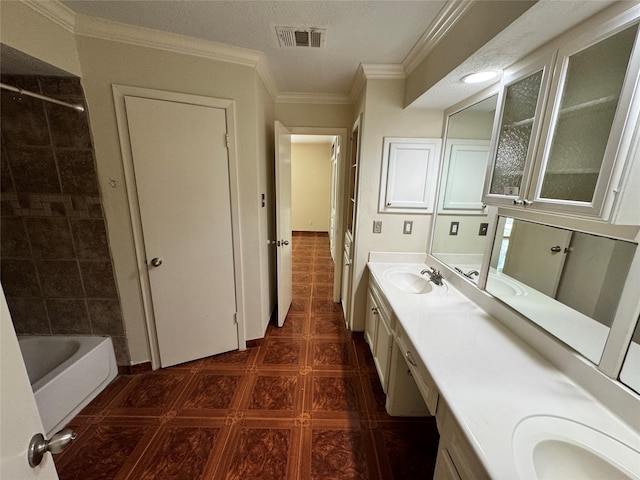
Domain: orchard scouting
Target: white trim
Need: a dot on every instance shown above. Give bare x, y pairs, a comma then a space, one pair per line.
55, 11
383, 71
342, 187
119, 93
316, 98
374, 71
447, 18
94, 27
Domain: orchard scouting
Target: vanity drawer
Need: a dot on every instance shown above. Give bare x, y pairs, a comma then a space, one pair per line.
425, 383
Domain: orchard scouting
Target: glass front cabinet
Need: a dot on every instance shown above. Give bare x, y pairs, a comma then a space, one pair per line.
562, 141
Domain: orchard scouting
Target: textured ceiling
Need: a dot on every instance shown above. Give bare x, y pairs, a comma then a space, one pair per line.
356, 32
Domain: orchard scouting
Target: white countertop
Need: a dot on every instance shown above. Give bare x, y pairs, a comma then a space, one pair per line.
490, 379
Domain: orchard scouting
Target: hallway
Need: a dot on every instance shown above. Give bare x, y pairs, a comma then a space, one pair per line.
305, 403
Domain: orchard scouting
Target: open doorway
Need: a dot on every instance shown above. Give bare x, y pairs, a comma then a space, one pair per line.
317, 188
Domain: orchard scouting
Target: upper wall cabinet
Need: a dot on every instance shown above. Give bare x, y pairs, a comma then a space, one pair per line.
570, 153
409, 175
520, 105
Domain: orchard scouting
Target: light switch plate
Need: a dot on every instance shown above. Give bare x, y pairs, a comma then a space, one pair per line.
377, 226
408, 227
453, 229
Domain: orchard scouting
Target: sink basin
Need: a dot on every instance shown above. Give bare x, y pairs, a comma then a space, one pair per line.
499, 286
547, 448
407, 280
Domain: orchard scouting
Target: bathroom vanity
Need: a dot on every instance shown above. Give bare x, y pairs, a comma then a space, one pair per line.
496, 401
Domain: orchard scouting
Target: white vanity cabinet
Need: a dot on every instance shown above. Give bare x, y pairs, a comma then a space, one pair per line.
378, 335
456, 459
573, 155
412, 392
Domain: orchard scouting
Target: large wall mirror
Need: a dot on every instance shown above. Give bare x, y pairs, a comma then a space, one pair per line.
567, 282
461, 224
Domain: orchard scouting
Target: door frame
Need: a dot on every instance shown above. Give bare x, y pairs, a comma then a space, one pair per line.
119, 92
341, 183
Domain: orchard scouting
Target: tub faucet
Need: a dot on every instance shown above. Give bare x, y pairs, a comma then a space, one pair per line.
434, 275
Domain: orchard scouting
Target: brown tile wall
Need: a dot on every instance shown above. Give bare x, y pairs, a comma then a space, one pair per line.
55, 263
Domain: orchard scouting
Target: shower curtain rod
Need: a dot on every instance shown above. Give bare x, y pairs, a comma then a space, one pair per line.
75, 106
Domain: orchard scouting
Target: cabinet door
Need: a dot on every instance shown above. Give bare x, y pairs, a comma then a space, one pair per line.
382, 356
409, 175
465, 166
522, 98
583, 128
371, 322
445, 469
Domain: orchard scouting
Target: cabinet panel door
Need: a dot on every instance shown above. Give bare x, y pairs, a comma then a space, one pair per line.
382, 357
584, 126
371, 322
516, 133
466, 164
409, 175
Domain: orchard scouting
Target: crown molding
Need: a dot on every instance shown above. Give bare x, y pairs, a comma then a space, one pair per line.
315, 98
450, 14
93, 27
383, 71
55, 11
374, 71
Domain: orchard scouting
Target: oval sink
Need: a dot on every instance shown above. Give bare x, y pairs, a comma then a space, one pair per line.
499, 287
549, 448
407, 280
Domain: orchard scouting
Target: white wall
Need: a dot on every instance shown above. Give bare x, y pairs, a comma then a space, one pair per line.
384, 116
310, 187
101, 63
31, 33
105, 63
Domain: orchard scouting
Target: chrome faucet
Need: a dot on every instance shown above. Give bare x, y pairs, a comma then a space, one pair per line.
469, 274
434, 275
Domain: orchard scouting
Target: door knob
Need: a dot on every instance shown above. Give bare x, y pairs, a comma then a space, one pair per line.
556, 249
156, 262
56, 444
285, 242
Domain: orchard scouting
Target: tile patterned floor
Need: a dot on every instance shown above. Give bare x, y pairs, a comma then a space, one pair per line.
304, 404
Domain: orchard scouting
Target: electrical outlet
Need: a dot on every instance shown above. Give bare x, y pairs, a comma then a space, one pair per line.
408, 227
377, 226
453, 229
483, 229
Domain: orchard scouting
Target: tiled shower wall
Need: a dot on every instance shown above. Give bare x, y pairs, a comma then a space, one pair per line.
55, 261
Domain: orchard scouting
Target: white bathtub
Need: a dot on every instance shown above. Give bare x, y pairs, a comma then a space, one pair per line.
66, 373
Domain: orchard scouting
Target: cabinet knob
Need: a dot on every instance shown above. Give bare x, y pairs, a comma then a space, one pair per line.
518, 202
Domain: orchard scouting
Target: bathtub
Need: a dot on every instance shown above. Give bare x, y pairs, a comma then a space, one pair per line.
66, 373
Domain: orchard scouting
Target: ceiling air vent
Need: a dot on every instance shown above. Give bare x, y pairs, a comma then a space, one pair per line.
300, 37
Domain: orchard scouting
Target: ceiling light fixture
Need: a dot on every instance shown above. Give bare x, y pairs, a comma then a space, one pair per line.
479, 77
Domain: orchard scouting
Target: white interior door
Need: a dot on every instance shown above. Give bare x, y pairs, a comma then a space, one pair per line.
181, 168
18, 410
283, 219
536, 255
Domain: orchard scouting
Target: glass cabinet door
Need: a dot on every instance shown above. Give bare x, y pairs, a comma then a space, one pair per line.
522, 99
581, 144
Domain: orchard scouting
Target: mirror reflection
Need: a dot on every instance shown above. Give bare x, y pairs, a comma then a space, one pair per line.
461, 221
567, 282
630, 374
